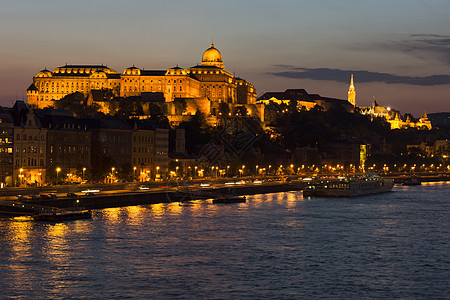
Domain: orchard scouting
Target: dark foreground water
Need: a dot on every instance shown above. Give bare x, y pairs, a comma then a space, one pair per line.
275, 246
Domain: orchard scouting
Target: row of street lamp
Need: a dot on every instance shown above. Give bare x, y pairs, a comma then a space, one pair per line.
216, 171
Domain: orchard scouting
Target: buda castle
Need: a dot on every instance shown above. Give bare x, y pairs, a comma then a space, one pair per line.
207, 83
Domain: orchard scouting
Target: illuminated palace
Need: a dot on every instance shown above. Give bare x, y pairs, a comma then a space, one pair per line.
206, 83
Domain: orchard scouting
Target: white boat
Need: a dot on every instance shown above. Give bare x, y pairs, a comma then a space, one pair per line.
367, 184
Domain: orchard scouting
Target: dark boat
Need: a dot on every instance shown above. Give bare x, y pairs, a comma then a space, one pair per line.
67, 215
411, 181
231, 199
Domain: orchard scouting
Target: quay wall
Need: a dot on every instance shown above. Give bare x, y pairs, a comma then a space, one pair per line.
152, 197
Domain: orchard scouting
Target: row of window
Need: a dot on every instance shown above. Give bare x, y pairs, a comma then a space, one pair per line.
30, 162
45, 85
143, 138
143, 81
30, 149
5, 141
30, 137
6, 150
69, 149
143, 160
5, 160
142, 149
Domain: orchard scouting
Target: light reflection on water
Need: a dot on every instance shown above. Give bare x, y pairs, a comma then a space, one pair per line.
274, 246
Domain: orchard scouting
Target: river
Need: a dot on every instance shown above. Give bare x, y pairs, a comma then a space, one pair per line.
274, 246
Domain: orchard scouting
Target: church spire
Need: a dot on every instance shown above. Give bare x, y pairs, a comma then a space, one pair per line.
352, 93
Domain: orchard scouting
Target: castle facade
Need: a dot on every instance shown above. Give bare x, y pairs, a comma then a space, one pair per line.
208, 81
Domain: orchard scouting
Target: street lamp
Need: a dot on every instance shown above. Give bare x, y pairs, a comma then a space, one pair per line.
58, 169
112, 174
84, 170
256, 170
228, 167
134, 173
20, 177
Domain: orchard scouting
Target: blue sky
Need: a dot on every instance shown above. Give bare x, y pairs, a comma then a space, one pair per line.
399, 50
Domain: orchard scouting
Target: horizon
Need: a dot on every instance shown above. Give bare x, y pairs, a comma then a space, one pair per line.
398, 53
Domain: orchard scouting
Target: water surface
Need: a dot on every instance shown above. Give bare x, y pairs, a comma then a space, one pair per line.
274, 246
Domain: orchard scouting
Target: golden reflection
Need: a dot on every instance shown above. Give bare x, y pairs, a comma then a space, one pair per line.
158, 209
134, 214
57, 245
128, 214
436, 183
19, 234
112, 214
292, 199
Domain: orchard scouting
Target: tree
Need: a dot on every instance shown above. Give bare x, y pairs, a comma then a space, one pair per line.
77, 103
157, 114
197, 132
241, 110
180, 106
224, 108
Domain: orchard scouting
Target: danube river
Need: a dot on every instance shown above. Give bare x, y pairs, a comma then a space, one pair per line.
274, 246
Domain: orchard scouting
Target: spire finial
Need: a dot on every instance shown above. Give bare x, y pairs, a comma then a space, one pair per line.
212, 41
351, 81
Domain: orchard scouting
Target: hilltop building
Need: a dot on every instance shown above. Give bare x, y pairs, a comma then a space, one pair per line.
303, 99
394, 118
202, 87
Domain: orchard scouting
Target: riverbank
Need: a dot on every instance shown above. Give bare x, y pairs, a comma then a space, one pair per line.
125, 194
131, 198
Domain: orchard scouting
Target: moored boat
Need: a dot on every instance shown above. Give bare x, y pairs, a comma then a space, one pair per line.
232, 199
367, 184
412, 181
67, 215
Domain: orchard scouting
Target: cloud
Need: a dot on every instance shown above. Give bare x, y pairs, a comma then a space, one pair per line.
424, 46
361, 76
432, 39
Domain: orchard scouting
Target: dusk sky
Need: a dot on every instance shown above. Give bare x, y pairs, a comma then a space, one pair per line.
398, 50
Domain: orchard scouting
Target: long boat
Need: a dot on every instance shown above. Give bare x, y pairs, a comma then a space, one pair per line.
230, 199
66, 215
367, 184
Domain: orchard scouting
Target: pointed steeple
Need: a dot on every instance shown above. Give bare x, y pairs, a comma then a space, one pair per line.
352, 93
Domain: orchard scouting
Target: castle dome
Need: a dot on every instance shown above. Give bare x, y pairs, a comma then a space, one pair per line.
212, 57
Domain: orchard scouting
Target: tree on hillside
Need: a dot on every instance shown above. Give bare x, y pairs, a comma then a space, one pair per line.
197, 131
128, 107
77, 103
156, 113
180, 106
